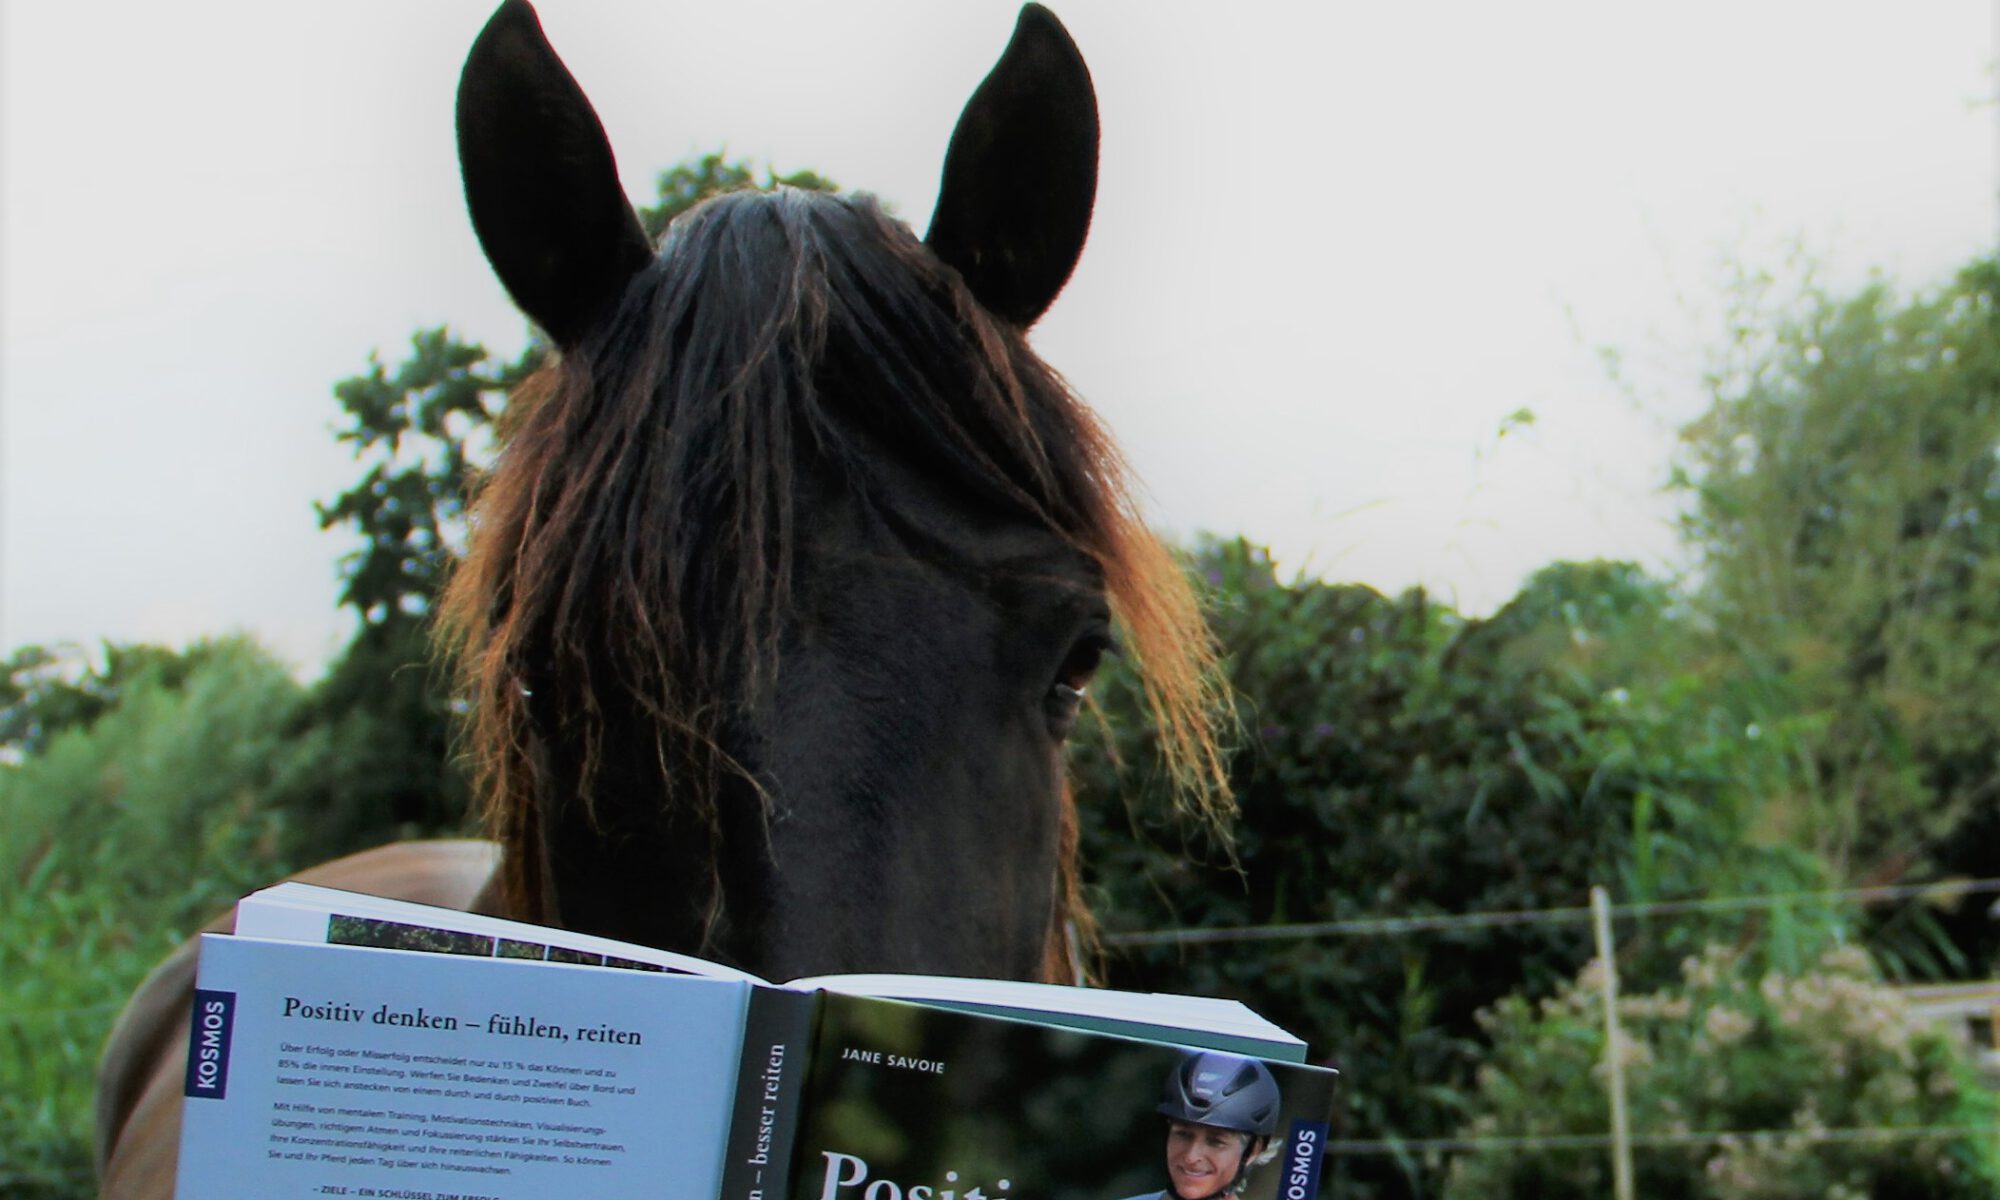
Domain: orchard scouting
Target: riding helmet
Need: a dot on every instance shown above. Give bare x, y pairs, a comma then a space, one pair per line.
1224, 1091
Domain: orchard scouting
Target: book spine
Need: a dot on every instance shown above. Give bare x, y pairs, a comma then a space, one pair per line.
770, 1085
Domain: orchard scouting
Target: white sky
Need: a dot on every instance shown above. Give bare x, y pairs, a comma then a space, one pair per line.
1335, 246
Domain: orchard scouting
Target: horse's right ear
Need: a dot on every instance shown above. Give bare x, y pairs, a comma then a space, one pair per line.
540, 180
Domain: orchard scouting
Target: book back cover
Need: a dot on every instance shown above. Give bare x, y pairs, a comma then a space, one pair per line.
318, 1071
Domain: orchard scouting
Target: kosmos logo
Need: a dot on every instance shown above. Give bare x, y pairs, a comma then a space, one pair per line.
1302, 1161
208, 1044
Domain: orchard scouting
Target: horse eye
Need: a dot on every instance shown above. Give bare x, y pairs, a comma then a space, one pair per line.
1066, 695
1080, 667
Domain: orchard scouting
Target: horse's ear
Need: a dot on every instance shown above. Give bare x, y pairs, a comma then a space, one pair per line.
540, 180
1021, 173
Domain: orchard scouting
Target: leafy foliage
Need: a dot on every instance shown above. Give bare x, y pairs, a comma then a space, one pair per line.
45, 690
122, 834
1730, 1048
412, 429
1401, 760
1847, 503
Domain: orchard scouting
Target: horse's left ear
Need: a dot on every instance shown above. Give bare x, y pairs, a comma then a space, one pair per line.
1021, 174
540, 180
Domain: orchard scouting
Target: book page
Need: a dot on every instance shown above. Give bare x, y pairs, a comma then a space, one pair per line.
318, 1071
300, 912
1158, 1016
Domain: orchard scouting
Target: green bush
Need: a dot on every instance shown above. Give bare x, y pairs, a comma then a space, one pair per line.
1401, 760
127, 827
1729, 1049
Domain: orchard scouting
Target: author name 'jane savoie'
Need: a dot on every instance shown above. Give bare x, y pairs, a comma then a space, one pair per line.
422, 1018
901, 1062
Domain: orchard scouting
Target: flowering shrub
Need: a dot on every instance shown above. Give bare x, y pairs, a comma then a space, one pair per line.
1817, 1086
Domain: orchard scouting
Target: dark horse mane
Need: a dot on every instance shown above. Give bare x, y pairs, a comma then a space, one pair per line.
634, 543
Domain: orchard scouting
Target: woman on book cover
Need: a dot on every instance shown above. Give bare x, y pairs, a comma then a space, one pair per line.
1221, 1113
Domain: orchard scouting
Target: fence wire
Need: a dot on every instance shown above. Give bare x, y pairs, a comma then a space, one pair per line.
1644, 1141
1574, 914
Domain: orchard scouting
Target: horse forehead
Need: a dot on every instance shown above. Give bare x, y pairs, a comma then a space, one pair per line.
1023, 549
982, 548
917, 515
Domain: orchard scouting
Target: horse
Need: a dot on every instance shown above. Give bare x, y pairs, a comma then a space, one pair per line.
789, 579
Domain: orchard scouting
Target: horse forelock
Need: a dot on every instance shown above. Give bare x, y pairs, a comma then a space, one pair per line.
633, 546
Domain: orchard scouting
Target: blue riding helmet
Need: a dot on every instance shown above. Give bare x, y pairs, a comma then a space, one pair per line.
1223, 1091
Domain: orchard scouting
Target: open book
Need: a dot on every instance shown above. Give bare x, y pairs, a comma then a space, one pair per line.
349, 1045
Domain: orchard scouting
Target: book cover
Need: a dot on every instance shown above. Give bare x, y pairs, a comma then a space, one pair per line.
688, 1086
908, 1102
319, 1071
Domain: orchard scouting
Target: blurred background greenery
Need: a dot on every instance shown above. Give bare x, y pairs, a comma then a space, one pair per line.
1807, 712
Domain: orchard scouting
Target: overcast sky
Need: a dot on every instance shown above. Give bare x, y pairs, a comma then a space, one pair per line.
1335, 247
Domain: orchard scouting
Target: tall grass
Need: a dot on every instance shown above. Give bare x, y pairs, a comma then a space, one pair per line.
115, 841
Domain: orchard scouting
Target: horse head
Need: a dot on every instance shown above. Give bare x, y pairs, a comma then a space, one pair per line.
791, 574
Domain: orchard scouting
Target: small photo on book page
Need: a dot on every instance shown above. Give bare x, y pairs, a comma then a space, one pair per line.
297, 912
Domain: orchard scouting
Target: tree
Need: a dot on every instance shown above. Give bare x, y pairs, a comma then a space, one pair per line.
45, 690
1846, 504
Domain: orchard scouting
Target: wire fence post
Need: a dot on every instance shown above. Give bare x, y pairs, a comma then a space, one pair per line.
1614, 1058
